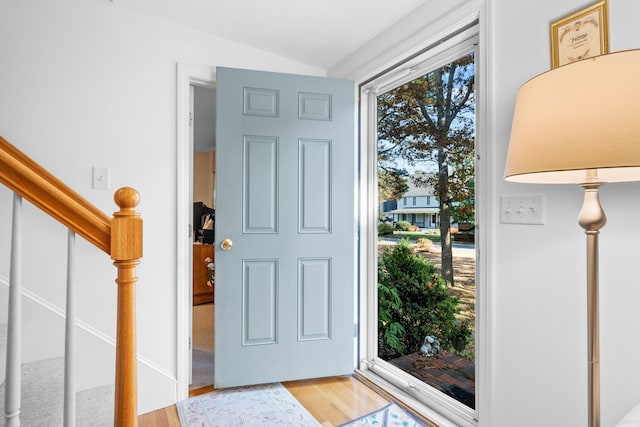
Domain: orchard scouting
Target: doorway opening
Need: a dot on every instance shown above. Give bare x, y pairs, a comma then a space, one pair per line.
202, 138
313, 202
188, 78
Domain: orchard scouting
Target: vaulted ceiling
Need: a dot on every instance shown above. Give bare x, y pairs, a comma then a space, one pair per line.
320, 33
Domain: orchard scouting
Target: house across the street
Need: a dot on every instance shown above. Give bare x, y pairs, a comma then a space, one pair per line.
418, 205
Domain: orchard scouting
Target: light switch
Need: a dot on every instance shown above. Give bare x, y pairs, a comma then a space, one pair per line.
522, 209
101, 178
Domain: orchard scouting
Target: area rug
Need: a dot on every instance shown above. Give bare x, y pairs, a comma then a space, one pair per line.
263, 405
390, 415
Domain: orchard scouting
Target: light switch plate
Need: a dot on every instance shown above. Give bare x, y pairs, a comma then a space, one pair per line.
526, 209
101, 178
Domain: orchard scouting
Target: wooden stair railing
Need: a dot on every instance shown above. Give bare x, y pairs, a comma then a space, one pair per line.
120, 237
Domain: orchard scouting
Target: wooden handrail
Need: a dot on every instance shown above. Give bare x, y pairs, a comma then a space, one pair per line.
120, 237
34, 183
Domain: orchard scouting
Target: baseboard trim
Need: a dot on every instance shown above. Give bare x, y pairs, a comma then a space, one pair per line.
89, 329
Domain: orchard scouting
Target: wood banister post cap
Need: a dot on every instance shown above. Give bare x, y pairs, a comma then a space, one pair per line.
126, 198
126, 226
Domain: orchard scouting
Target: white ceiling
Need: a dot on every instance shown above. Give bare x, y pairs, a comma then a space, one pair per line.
320, 33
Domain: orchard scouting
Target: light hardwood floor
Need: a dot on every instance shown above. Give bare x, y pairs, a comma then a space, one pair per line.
332, 401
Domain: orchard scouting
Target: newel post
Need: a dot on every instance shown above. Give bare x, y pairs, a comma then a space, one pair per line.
126, 250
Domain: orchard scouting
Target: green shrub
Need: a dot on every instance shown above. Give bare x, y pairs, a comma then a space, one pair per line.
413, 302
403, 225
384, 229
391, 332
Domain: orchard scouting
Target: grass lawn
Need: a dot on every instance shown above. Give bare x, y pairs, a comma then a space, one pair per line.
413, 235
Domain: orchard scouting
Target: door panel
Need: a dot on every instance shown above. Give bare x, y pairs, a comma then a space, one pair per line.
314, 174
259, 302
285, 198
260, 190
314, 304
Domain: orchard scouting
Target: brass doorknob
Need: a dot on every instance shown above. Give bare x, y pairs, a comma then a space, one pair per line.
226, 244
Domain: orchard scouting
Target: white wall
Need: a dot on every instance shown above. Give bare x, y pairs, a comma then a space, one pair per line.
89, 83
540, 363
537, 294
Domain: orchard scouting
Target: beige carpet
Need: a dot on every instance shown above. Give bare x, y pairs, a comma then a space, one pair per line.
42, 391
203, 327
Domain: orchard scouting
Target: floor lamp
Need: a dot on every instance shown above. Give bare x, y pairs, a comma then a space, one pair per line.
580, 124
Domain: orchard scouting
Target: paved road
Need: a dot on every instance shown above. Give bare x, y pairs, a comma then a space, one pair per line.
459, 249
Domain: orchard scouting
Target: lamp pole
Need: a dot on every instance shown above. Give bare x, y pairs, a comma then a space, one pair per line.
592, 219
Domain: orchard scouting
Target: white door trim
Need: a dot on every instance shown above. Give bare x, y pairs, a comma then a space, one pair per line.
186, 76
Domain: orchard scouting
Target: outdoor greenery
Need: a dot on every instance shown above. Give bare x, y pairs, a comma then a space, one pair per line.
385, 229
392, 183
403, 225
409, 235
432, 119
413, 302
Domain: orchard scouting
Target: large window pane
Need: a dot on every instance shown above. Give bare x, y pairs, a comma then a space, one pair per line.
426, 252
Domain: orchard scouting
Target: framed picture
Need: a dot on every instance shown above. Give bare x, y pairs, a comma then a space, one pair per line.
580, 35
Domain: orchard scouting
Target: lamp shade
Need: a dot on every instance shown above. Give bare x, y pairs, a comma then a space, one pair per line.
578, 117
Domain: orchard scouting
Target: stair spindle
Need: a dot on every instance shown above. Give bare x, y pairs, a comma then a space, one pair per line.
13, 390
70, 337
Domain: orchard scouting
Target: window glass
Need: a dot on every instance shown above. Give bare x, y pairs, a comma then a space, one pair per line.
426, 276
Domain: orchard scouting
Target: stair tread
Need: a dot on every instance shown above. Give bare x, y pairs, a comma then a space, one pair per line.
42, 397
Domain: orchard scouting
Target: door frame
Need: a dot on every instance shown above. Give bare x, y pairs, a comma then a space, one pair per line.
186, 76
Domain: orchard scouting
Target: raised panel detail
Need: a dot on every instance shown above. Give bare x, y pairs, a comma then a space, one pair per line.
261, 102
259, 301
314, 106
314, 187
314, 299
260, 185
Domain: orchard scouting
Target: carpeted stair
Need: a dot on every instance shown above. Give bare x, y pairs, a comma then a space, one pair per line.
43, 394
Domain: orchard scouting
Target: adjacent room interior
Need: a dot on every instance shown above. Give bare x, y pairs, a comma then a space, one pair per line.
202, 135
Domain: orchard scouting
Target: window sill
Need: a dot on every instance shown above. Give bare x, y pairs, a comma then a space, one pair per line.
428, 414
